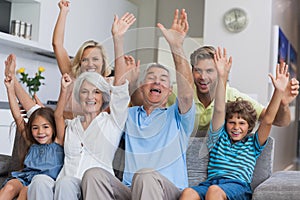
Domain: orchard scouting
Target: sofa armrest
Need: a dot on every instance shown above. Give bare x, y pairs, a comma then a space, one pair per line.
281, 185
264, 164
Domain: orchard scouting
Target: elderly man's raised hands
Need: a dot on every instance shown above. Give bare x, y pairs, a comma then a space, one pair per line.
180, 26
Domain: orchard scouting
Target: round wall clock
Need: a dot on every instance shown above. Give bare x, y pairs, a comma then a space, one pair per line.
235, 20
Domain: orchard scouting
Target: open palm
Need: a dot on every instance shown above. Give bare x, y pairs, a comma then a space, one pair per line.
177, 32
120, 26
281, 80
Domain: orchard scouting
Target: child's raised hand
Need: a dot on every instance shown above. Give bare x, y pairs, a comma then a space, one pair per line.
180, 26
281, 80
223, 64
120, 26
10, 65
66, 81
64, 5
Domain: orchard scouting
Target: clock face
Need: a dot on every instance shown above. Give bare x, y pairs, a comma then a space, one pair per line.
235, 20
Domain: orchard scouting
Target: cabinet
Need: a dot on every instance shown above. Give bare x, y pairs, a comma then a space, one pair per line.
86, 20
28, 11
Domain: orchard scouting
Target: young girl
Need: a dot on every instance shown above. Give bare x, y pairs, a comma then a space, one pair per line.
232, 149
45, 154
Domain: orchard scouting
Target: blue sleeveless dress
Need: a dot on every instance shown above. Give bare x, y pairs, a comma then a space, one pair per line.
45, 159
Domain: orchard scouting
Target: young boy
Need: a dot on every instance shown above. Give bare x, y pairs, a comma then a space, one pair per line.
232, 149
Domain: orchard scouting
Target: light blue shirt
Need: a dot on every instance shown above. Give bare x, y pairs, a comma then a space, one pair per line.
158, 141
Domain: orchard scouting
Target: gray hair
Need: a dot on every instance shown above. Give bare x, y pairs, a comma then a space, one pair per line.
98, 81
151, 65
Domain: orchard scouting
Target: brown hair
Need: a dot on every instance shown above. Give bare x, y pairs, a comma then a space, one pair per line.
202, 53
244, 109
46, 113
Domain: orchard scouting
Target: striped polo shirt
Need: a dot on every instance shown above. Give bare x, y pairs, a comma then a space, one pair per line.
232, 160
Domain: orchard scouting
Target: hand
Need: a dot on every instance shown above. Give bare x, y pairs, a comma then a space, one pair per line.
291, 92
175, 35
132, 69
64, 5
9, 82
281, 80
66, 81
10, 65
120, 26
223, 65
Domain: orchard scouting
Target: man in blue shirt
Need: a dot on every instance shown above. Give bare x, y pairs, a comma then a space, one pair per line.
156, 137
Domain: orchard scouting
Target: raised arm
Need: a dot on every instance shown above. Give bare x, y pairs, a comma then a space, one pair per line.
14, 107
119, 28
175, 37
61, 54
223, 66
283, 116
24, 98
65, 89
280, 82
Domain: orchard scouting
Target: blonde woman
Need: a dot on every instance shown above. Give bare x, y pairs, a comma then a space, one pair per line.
89, 57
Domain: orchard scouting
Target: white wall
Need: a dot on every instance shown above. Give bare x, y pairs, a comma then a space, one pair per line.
31, 62
251, 51
93, 20
250, 48
285, 13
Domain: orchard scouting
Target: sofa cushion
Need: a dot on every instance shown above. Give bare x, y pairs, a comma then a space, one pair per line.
197, 160
281, 185
264, 164
14, 162
4, 164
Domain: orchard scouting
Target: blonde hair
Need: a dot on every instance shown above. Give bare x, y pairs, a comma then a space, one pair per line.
77, 59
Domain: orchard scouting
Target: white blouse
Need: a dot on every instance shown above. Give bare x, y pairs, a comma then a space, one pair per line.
96, 146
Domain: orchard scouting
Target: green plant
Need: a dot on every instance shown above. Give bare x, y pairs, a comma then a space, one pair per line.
33, 84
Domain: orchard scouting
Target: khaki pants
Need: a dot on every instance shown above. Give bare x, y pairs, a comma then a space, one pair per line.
147, 184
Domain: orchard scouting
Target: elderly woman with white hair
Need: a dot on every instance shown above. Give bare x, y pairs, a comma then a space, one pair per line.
92, 138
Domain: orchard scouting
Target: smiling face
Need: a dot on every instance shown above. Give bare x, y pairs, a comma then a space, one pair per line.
205, 77
90, 98
156, 86
237, 127
41, 130
91, 60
